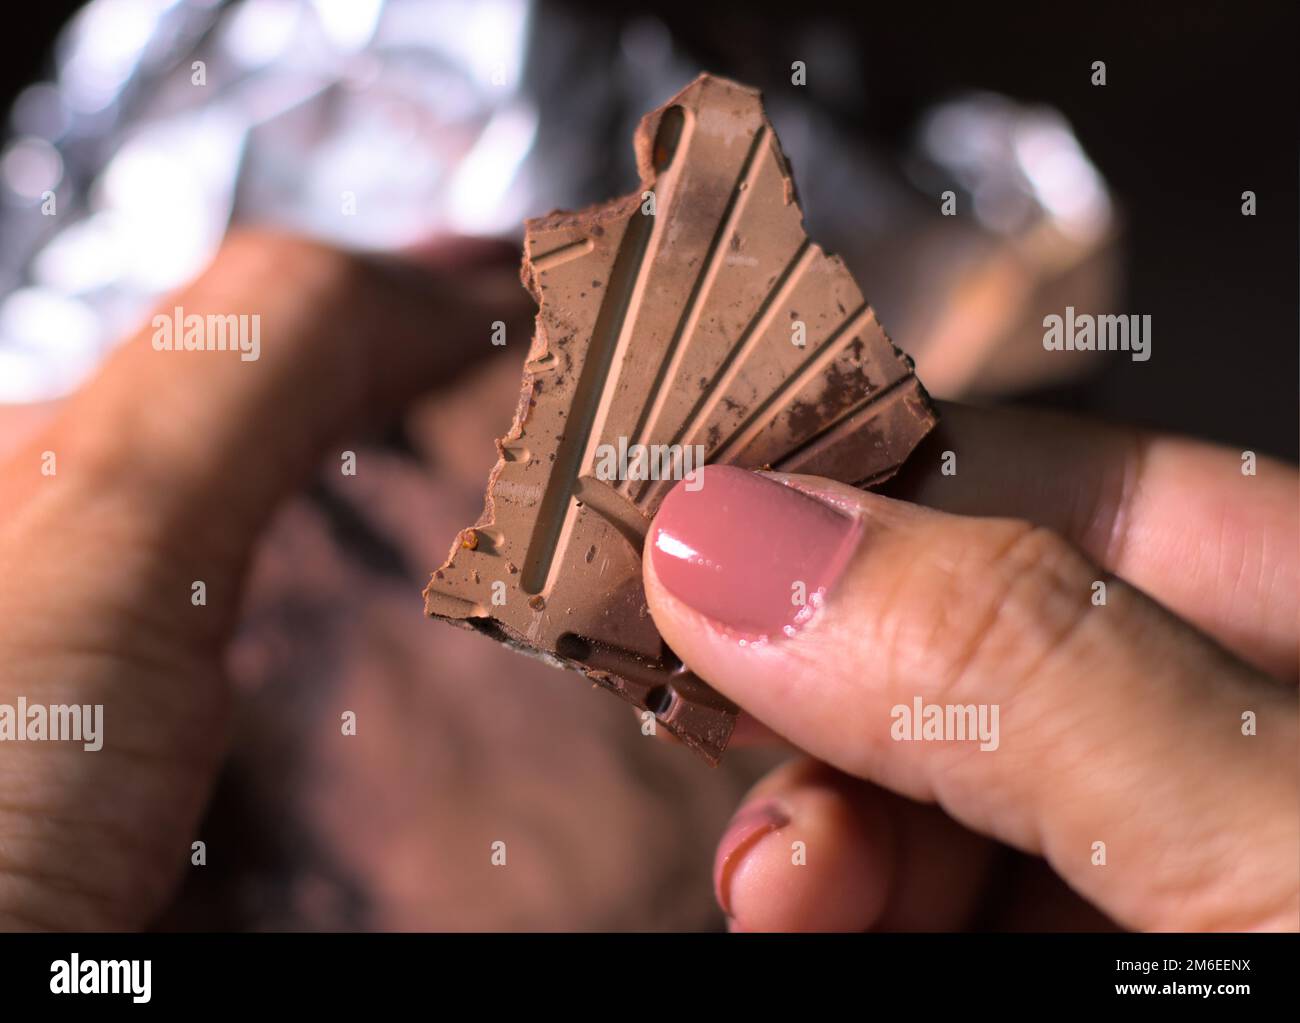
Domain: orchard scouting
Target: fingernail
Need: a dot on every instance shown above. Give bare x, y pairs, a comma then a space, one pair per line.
748, 552
742, 834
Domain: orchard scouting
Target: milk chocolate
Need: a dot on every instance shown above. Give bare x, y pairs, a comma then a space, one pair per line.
694, 311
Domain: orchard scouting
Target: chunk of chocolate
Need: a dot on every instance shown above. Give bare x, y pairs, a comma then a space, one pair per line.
693, 317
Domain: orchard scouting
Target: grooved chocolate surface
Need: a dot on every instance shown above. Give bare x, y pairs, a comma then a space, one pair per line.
693, 312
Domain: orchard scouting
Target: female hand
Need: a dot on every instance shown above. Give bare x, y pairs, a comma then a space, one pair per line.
1144, 747
165, 468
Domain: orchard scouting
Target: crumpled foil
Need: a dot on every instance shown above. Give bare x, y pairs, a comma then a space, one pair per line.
378, 124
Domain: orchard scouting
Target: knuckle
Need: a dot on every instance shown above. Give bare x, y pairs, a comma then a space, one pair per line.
1008, 607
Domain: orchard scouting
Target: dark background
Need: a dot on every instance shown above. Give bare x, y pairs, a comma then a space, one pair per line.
1199, 105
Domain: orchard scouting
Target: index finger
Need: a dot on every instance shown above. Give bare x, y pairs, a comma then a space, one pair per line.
1207, 532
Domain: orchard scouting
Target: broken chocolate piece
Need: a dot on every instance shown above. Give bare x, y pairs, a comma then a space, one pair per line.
692, 318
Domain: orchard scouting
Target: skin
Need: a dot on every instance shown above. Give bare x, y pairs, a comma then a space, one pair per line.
1120, 724
170, 465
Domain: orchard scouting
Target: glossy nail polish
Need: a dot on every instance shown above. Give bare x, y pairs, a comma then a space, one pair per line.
752, 554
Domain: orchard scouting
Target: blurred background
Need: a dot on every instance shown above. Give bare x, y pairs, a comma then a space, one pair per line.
138, 131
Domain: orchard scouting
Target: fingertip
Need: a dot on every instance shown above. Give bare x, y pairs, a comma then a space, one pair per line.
805, 854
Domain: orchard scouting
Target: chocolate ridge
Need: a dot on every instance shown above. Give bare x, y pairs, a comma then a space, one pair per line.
677, 327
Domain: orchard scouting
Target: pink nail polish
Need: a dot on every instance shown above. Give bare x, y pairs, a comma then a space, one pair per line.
748, 552
742, 834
